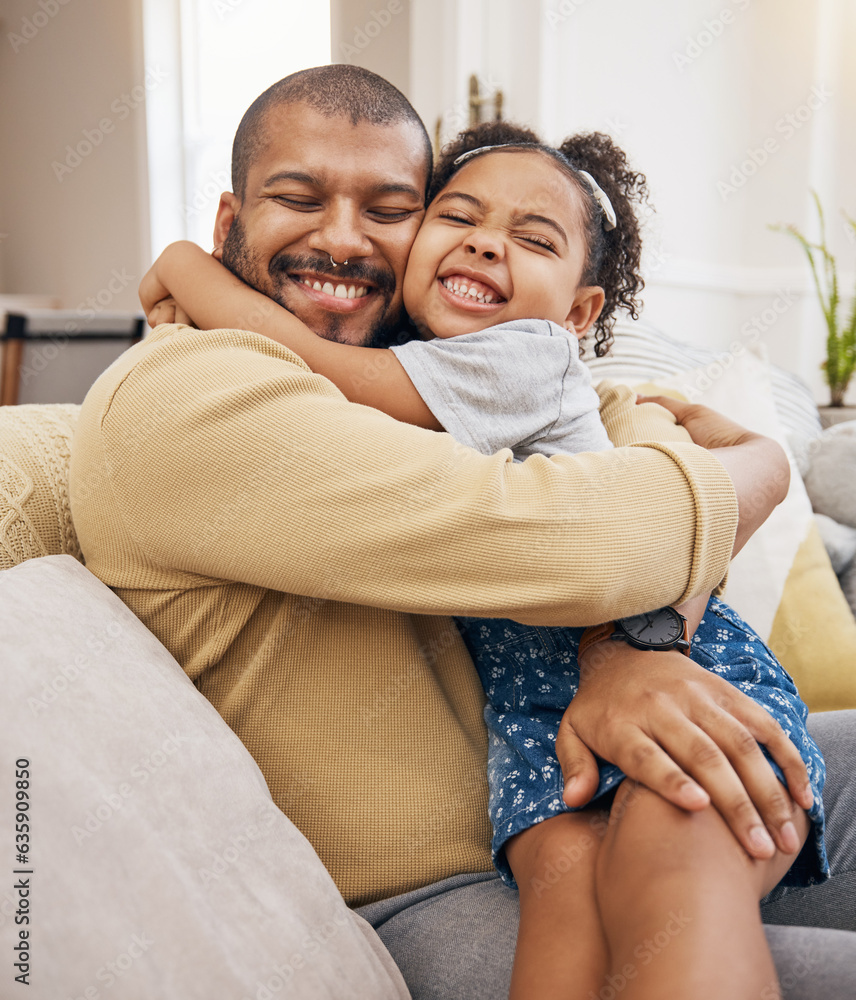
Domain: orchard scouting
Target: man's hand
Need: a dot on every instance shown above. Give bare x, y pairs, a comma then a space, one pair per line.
687, 735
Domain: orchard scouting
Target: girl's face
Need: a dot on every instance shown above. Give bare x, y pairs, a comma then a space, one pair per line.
502, 241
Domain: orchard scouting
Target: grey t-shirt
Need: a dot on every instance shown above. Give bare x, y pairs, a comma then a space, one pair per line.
518, 385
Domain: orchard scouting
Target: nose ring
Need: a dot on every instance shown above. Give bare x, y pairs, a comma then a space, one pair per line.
333, 262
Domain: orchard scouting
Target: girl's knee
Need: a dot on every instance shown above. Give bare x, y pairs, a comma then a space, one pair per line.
645, 832
562, 849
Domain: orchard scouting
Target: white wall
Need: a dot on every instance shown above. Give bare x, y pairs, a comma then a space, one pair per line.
733, 116
75, 221
564, 65
692, 89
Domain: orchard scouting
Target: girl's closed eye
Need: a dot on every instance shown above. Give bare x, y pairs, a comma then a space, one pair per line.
538, 240
453, 216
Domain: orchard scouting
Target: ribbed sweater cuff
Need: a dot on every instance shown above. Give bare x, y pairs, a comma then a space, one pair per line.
716, 513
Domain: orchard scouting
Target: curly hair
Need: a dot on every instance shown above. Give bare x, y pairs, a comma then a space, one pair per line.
612, 256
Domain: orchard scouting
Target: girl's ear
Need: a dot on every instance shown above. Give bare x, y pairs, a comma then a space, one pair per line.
227, 210
585, 309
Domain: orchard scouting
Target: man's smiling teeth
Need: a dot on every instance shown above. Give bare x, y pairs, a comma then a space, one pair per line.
340, 291
469, 291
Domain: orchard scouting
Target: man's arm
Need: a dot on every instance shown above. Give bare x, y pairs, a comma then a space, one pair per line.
229, 460
317, 496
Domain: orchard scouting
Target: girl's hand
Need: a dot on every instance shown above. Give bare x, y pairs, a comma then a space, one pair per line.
152, 293
161, 312
156, 295
708, 428
167, 311
687, 735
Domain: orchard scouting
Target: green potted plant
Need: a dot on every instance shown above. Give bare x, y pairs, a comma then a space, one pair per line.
840, 363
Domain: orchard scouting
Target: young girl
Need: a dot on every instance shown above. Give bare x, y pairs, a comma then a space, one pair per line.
523, 250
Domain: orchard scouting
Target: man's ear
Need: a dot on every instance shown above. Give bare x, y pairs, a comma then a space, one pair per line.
586, 307
226, 211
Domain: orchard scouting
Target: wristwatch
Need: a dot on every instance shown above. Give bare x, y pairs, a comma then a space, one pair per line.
658, 630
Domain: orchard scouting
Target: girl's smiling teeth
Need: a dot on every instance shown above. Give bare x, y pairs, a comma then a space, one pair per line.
469, 288
340, 291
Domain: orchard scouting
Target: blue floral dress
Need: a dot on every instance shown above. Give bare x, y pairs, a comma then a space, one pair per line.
530, 675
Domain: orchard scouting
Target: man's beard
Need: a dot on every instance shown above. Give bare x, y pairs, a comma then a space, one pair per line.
239, 258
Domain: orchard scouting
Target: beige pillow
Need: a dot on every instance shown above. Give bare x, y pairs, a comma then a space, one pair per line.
782, 582
156, 864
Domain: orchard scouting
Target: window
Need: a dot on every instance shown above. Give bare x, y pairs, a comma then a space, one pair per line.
219, 56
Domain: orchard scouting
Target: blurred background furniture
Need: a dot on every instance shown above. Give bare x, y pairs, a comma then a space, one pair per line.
54, 355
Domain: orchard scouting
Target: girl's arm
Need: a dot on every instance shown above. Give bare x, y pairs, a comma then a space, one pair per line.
215, 297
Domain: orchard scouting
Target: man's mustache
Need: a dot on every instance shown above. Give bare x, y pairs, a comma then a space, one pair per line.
288, 263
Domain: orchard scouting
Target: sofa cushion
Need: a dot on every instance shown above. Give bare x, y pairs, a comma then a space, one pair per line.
35, 517
156, 862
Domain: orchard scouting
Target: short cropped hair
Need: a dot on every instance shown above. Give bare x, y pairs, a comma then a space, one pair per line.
334, 90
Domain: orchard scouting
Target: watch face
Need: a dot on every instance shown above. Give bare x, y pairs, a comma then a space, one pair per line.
661, 627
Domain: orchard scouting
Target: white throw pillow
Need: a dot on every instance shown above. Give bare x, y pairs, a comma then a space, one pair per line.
155, 863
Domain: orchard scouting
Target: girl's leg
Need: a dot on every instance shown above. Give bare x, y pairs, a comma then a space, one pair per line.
678, 899
561, 951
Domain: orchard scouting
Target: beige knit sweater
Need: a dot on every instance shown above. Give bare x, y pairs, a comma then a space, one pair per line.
300, 556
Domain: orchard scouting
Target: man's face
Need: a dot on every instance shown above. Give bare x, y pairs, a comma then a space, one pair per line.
324, 188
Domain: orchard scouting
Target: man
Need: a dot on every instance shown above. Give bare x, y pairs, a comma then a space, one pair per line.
304, 572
